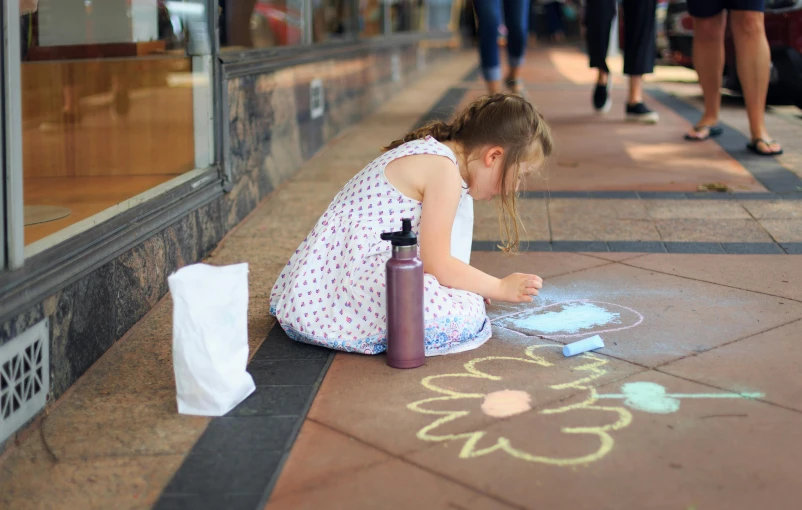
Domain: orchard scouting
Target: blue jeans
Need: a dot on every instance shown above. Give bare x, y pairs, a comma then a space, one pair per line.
516, 19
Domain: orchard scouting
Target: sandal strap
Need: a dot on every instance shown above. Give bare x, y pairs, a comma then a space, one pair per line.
766, 142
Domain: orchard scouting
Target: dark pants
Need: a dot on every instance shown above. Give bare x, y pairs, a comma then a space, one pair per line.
516, 18
709, 8
554, 17
639, 34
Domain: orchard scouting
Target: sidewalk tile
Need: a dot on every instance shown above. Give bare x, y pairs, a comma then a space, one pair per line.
707, 453
778, 209
394, 484
571, 227
644, 316
366, 399
545, 265
533, 216
784, 231
700, 230
130, 424
695, 209
321, 455
770, 274
764, 362
124, 483
623, 209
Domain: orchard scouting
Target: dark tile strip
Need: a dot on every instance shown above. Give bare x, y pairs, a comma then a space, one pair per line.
693, 247
487, 246
445, 107
535, 246
767, 170
238, 459
579, 246
637, 246
752, 248
614, 194
662, 195
709, 196
647, 247
473, 75
792, 248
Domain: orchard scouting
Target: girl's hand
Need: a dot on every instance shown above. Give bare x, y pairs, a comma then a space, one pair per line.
520, 288
487, 301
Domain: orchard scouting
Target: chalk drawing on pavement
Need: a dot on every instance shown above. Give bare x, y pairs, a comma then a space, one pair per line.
478, 443
651, 397
452, 410
572, 319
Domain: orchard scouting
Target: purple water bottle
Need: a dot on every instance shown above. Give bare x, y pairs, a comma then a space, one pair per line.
404, 300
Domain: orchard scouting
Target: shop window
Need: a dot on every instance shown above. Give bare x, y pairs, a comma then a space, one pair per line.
406, 15
249, 24
116, 102
246, 24
332, 20
371, 17
378, 17
439, 17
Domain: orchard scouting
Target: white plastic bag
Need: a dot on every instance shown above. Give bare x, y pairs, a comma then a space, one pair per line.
210, 338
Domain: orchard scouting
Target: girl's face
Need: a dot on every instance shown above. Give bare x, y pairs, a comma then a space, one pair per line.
486, 172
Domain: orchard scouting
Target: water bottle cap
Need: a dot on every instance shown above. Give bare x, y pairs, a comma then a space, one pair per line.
406, 237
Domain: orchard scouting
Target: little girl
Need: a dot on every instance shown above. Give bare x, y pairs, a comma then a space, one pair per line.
332, 291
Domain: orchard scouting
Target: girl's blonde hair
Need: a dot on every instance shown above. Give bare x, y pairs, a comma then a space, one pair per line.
505, 120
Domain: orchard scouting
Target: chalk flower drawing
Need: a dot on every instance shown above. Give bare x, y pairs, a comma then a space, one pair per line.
450, 406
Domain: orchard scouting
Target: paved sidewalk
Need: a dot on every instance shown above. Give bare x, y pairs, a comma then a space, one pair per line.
693, 403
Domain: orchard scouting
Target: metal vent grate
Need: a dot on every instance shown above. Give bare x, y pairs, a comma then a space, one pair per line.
316, 101
24, 378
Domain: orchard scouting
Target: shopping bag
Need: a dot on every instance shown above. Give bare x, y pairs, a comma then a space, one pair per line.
210, 338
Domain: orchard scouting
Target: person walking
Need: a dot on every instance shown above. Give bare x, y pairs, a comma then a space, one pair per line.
753, 59
639, 52
553, 11
516, 20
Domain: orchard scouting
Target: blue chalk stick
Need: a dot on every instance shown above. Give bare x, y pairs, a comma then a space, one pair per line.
588, 344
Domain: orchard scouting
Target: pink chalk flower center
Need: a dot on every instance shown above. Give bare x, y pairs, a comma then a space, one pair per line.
504, 403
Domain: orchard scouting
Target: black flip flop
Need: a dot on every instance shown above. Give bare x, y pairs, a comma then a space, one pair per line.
712, 132
752, 146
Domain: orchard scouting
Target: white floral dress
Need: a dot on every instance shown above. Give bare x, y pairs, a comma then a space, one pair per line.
332, 291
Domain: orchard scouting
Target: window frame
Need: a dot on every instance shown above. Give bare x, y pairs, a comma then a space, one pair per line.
13, 209
26, 282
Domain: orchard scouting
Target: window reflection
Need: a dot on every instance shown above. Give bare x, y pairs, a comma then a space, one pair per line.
371, 17
332, 20
406, 15
247, 24
440, 15
109, 91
